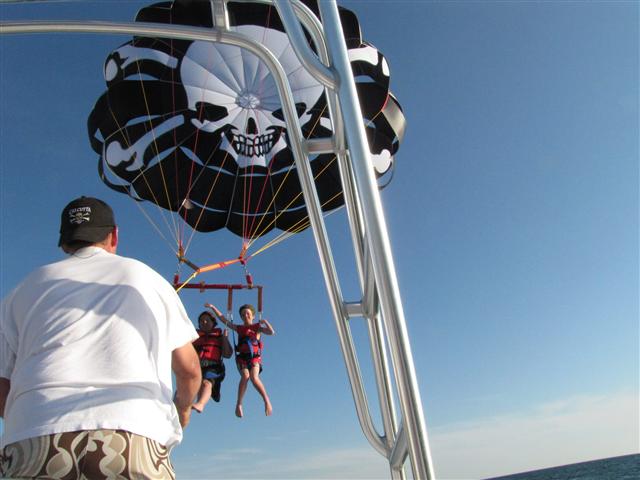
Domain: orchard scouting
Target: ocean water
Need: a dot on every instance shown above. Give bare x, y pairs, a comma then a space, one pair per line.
615, 468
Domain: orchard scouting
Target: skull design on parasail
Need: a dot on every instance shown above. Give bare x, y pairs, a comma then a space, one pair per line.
197, 127
244, 107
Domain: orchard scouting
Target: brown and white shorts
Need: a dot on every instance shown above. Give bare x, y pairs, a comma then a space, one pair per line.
87, 455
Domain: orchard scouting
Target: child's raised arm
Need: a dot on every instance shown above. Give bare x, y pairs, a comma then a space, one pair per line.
266, 328
220, 316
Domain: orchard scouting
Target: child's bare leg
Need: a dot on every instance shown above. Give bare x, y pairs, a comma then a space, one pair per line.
257, 383
242, 388
204, 394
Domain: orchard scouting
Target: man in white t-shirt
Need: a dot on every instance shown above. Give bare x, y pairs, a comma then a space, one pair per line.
87, 348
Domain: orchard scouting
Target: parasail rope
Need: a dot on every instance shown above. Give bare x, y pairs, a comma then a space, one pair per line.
268, 226
275, 195
246, 202
191, 277
298, 227
157, 152
304, 222
193, 165
193, 181
151, 190
208, 268
209, 193
155, 226
264, 187
181, 227
164, 217
249, 231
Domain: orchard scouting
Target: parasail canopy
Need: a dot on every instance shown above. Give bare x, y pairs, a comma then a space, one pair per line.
197, 127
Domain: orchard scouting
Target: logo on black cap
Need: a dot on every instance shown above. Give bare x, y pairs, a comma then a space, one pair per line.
79, 215
86, 219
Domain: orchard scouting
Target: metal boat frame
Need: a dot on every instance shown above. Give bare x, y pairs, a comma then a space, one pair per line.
380, 304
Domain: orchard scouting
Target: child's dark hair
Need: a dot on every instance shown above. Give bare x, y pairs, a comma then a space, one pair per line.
208, 314
249, 307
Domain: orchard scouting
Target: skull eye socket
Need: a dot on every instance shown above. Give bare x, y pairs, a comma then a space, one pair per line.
300, 109
210, 112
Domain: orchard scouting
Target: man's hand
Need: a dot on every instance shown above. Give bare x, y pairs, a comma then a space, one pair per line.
184, 415
186, 367
5, 386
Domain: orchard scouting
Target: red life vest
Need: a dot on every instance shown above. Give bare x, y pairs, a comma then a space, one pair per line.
209, 345
249, 346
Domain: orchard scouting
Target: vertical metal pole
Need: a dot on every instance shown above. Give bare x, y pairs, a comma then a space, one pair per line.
316, 220
377, 237
219, 14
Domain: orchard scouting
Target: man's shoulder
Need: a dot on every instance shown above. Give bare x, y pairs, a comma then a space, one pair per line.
128, 262
43, 272
97, 259
136, 266
110, 267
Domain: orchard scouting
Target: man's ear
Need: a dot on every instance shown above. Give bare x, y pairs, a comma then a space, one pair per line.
113, 243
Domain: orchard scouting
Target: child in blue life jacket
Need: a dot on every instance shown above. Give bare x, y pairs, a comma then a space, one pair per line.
248, 352
212, 346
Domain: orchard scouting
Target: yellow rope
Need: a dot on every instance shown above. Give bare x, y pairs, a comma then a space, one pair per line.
120, 128
283, 210
191, 277
298, 227
157, 152
213, 184
275, 195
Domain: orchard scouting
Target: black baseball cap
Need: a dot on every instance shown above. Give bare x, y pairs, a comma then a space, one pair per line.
87, 219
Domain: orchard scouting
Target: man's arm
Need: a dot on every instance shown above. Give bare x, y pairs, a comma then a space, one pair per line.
186, 367
5, 386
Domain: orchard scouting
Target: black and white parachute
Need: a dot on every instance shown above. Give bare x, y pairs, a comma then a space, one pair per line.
197, 127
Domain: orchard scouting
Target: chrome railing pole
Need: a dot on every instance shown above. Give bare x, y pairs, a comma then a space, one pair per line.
378, 240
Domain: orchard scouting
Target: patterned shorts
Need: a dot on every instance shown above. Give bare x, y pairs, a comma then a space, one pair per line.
87, 455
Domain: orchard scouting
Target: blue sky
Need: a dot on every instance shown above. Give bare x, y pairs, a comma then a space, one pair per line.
513, 216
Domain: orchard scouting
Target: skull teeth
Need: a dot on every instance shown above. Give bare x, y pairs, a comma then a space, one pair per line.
253, 146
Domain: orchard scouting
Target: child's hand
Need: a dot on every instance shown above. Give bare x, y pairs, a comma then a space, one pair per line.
212, 307
225, 333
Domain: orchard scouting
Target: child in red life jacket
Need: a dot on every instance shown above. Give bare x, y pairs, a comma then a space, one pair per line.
248, 352
212, 345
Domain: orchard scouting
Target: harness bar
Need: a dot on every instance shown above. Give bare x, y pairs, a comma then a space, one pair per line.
229, 287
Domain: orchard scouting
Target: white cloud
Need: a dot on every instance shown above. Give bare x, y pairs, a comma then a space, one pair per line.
356, 463
566, 431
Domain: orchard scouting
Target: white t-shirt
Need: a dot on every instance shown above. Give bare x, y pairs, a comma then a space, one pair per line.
86, 343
